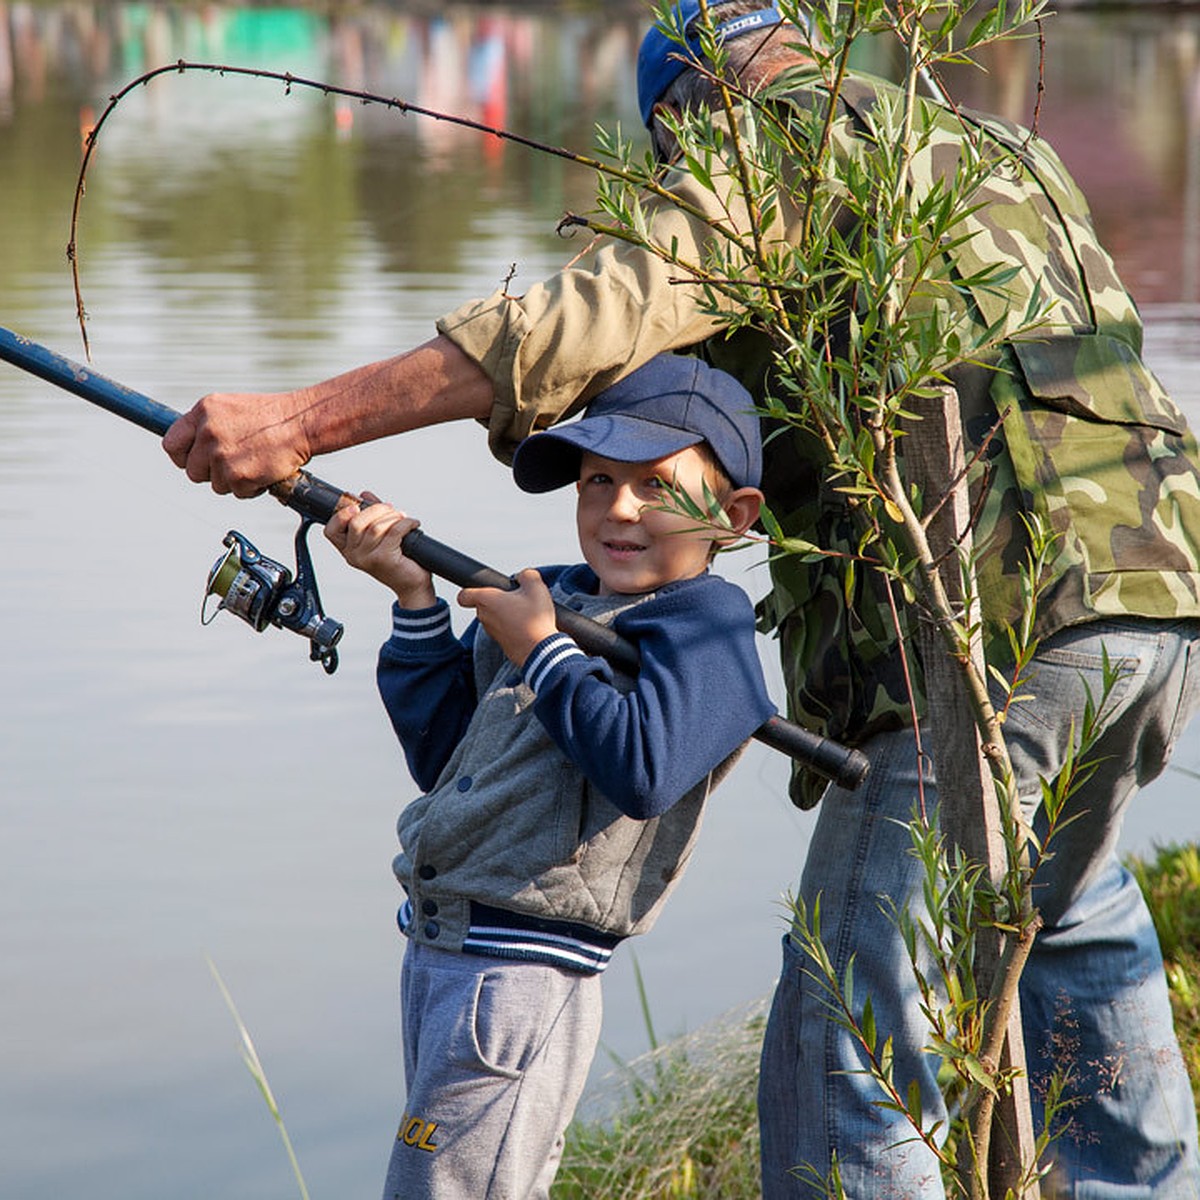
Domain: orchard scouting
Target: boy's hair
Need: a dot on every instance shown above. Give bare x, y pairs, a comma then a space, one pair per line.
720, 482
670, 403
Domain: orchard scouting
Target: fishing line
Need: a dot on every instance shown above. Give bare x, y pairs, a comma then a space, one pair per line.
289, 81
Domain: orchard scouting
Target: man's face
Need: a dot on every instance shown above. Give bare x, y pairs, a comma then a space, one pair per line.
626, 539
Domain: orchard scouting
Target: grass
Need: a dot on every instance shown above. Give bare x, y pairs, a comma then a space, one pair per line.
255, 1067
1171, 884
680, 1122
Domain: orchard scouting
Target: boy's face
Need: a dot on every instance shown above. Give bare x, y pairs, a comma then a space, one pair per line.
632, 546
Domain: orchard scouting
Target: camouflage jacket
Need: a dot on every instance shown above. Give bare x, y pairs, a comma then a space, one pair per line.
1089, 441
1089, 438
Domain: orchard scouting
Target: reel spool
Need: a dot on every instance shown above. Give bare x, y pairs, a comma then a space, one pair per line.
263, 592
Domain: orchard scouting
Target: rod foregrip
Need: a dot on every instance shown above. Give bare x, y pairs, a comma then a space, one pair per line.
311, 497
448, 563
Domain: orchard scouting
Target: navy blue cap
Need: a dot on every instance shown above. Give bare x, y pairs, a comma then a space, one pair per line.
661, 59
672, 402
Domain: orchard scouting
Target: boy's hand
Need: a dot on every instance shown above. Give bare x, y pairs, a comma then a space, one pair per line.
518, 620
371, 539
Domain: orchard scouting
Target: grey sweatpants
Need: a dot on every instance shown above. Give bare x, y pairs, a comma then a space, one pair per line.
496, 1053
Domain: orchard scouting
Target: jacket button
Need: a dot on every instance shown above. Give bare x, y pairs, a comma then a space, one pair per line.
432, 929
429, 908
427, 871
464, 784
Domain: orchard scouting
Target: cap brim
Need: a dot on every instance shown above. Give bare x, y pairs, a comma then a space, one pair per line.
550, 460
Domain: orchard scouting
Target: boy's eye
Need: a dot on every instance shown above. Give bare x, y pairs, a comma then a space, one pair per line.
597, 477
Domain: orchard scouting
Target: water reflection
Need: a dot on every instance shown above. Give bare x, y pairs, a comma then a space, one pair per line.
1121, 104
419, 188
168, 791
1121, 101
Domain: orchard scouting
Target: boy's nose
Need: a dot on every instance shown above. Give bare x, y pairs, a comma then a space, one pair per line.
625, 505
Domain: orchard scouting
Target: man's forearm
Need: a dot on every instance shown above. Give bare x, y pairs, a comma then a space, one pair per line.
429, 385
242, 443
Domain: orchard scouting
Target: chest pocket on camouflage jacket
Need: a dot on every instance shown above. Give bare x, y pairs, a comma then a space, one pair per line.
1106, 458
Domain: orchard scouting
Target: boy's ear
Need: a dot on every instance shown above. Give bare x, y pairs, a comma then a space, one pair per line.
742, 508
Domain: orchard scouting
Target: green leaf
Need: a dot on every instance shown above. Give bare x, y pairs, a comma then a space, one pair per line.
976, 1070
867, 1025
915, 1108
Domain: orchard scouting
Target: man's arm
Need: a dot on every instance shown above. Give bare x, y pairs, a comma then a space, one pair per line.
244, 442
519, 363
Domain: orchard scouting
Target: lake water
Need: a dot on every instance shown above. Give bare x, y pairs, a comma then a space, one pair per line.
171, 793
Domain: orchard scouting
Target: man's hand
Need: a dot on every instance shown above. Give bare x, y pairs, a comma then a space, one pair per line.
244, 442
240, 442
517, 620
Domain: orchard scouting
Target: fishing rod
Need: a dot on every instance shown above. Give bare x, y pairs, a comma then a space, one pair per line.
263, 592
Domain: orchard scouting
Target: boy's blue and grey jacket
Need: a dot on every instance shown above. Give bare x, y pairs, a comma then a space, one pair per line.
562, 801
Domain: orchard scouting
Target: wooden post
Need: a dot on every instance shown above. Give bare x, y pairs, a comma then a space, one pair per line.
970, 815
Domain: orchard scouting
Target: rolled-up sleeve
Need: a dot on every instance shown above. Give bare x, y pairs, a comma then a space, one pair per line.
572, 335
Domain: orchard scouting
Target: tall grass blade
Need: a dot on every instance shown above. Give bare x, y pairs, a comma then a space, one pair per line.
255, 1067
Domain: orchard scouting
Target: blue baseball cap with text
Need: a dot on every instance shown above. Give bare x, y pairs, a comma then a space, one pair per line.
672, 402
661, 59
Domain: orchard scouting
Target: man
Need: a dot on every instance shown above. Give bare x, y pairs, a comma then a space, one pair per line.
1088, 438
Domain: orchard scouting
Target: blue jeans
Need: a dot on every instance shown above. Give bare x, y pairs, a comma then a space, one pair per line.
1093, 994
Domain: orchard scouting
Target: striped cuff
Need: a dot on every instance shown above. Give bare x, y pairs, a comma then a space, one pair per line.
547, 654
420, 624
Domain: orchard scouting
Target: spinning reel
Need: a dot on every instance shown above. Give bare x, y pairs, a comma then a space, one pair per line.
263, 592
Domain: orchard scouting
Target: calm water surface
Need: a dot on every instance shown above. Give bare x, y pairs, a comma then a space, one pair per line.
172, 794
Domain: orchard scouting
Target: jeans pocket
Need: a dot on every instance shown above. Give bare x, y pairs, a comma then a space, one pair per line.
1064, 680
1189, 694
1067, 680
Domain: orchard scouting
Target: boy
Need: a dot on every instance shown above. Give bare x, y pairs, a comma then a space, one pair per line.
561, 801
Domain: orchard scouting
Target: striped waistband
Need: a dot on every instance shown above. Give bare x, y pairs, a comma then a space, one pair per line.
504, 934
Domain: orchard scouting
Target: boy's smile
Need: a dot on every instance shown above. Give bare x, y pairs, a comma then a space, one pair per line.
631, 544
